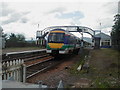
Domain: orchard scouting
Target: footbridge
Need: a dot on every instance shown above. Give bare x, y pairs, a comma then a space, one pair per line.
81, 29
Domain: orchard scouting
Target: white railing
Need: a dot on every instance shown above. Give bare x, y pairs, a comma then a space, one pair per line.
12, 70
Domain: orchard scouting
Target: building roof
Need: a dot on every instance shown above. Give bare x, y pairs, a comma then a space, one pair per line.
102, 35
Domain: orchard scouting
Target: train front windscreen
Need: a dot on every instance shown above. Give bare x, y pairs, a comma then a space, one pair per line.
56, 38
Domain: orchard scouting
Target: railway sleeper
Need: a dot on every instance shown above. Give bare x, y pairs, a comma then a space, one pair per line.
40, 62
36, 57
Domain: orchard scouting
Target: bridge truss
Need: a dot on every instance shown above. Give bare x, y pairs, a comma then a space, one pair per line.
80, 29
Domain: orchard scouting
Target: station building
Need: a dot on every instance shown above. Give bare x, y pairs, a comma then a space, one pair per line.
105, 40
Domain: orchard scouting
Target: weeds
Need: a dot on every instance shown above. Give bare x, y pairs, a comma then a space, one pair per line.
104, 68
73, 70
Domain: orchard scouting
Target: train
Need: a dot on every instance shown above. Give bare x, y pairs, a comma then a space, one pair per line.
61, 41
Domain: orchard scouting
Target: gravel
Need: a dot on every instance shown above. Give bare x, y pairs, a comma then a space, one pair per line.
60, 72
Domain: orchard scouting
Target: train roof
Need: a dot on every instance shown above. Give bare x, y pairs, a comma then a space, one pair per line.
58, 29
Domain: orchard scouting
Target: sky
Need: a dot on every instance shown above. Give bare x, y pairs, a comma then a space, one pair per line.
23, 16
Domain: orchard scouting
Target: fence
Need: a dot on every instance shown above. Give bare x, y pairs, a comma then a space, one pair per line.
13, 70
16, 70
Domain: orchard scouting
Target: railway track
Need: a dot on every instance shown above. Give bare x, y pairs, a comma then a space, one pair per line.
35, 62
43, 65
35, 67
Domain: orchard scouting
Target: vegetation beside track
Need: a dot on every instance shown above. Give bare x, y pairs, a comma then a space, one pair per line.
104, 68
74, 70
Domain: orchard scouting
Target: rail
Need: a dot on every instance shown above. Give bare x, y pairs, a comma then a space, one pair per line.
37, 67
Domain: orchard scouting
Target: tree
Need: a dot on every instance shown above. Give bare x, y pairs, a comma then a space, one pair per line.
15, 40
5, 36
115, 34
20, 37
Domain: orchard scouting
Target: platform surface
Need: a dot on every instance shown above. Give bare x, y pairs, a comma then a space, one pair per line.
15, 84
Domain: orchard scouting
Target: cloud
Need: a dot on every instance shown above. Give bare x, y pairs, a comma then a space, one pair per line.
14, 18
59, 9
111, 7
12, 15
24, 20
25, 13
105, 22
5, 10
88, 14
74, 15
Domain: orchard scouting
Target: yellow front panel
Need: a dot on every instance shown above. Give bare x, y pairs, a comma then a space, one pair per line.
57, 31
55, 45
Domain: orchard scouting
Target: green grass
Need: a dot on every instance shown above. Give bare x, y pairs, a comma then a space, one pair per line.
107, 77
101, 83
103, 72
81, 61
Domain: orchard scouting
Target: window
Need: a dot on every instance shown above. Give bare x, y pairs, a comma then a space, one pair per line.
107, 40
105, 43
56, 38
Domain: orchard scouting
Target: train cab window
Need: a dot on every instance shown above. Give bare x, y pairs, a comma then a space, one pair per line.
56, 38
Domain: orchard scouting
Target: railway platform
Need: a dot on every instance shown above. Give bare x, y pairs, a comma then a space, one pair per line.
15, 84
